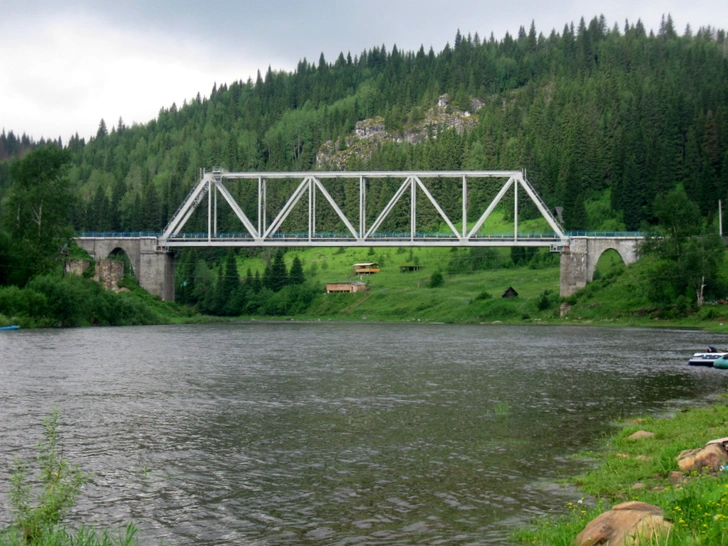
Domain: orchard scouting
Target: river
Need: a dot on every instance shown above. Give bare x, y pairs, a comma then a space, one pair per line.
334, 433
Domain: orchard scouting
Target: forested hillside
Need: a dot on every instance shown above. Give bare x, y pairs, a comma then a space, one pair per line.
586, 111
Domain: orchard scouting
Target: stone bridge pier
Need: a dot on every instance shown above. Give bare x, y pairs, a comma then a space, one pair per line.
579, 259
153, 266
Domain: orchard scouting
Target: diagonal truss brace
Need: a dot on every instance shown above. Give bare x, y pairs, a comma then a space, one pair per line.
188, 207
237, 210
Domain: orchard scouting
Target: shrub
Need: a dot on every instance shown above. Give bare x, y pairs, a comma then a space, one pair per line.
60, 483
484, 295
436, 279
26, 302
67, 303
544, 301
38, 510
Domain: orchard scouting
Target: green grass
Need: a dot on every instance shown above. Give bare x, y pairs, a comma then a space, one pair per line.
697, 504
84, 536
616, 297
398, 296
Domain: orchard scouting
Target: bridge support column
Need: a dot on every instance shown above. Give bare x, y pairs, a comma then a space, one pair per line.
153, 267
574, 267
580, 257
156, 273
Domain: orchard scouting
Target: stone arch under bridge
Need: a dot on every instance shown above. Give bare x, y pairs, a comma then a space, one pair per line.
152, 265
579, 258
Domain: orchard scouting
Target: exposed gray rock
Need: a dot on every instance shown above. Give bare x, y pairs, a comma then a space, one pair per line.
370, 133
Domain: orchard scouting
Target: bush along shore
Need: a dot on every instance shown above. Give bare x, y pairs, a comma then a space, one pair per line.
661, 481
39, 503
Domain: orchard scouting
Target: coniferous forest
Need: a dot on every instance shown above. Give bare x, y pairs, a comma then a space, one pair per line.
605, 119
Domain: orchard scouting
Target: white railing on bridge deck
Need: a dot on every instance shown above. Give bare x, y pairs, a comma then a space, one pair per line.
381, 239
118, 235
158, 234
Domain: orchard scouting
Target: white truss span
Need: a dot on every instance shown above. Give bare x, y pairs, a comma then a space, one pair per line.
357, 232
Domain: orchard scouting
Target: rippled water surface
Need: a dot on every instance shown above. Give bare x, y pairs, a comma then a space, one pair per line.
294, 433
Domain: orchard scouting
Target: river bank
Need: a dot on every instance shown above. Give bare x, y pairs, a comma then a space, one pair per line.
616, 297
524, 294
646, 470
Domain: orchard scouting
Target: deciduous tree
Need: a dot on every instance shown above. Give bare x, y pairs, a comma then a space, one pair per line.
36, 211
687, 259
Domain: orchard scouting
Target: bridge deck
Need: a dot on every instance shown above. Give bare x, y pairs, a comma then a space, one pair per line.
551, 240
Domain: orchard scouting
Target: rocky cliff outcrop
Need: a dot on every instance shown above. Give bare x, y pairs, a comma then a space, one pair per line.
370, 133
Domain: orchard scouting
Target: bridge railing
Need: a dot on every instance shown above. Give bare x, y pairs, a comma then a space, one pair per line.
608, 234
117, 235
404, 235
346, 237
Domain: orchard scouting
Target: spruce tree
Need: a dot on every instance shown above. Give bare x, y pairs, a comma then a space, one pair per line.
231, 286
296, 275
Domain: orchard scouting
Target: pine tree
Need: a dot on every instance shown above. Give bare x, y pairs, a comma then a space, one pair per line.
296, 275
276, 276
231, 286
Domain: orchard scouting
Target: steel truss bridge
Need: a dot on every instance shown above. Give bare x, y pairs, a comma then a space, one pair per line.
356, 231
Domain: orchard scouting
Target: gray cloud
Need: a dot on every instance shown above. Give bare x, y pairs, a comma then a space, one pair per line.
109, 58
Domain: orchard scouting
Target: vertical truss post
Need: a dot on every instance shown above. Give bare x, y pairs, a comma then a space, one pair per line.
214, 212
413, 210
262, 205
515, 212
362, 207
311, 210
260, 201
465, 206
209, 211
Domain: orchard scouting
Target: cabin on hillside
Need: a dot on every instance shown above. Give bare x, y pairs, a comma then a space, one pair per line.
366, 268
347, 286
510, 293
405, 268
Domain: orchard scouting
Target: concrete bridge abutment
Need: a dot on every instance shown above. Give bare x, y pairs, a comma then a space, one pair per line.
579, 259
152, 265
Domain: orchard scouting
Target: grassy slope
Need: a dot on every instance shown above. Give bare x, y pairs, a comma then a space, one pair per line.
696, 504
394, 295
406, 296
616, 297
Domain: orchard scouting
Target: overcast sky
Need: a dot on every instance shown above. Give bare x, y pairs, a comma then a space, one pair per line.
66, 64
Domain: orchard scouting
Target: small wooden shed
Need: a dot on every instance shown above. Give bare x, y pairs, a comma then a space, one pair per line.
510, 293
346, 286
366, 268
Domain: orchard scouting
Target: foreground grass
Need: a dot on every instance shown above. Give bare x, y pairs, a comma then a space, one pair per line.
84, 536
643, 470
